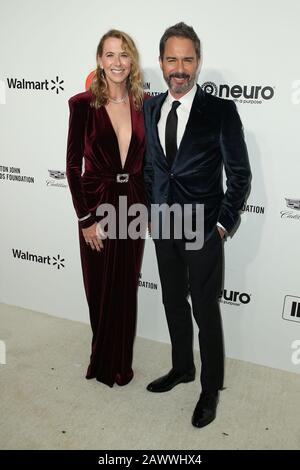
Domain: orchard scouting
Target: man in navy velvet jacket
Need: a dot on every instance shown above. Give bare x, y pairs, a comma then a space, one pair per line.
191, 136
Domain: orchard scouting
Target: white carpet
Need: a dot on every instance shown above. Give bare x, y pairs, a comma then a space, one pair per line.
46, 403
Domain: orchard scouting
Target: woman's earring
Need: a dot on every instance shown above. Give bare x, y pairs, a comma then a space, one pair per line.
101, 71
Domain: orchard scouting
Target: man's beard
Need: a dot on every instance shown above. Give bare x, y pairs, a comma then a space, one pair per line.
178, 89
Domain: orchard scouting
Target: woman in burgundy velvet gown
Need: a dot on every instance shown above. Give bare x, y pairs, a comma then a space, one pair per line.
106, 133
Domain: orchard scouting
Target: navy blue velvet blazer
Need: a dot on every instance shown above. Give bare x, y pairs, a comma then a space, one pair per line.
213, 138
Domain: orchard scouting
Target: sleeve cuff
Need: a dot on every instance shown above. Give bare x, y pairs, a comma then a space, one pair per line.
84, 218
221, 226
87, 221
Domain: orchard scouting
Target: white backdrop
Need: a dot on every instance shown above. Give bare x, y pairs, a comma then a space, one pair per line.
246, 44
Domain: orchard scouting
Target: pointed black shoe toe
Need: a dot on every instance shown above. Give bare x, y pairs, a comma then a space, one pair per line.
169, 381
206, 409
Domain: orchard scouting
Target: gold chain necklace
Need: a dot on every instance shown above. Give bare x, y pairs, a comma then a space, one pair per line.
121, 100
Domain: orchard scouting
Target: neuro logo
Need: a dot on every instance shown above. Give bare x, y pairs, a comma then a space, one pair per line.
240, 93
235, 298
210, 88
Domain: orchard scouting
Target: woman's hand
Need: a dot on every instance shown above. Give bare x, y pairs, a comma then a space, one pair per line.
91, 237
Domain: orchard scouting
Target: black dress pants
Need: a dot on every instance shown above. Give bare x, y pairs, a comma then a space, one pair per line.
197, 273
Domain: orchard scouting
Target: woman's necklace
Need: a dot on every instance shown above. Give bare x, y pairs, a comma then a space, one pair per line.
121, 100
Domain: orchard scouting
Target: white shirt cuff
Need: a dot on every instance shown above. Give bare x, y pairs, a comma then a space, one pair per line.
221, 226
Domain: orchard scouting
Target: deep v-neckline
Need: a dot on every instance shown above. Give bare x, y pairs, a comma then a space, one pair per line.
116, 137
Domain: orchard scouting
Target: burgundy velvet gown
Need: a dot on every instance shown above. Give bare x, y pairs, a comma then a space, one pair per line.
111, 276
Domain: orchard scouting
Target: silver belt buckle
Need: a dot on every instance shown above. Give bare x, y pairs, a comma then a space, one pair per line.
122, 177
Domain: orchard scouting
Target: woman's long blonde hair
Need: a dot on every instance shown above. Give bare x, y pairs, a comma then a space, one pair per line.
134, 81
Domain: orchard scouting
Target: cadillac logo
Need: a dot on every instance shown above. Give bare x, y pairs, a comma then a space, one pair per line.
57, 178
293, 203
58, 175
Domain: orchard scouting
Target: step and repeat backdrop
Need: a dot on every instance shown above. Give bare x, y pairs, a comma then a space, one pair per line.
250, 55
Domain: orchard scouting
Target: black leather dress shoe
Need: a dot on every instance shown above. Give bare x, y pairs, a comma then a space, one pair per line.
169, 381
205, 411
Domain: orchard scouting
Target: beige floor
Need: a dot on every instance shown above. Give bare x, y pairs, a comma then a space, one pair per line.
46, 403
